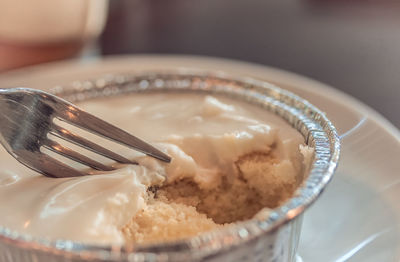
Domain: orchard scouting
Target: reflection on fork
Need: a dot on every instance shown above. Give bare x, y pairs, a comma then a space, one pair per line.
27, 117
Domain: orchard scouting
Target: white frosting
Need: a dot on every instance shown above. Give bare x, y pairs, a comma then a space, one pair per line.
203, 135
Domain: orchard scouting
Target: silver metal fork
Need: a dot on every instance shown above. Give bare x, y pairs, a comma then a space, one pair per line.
27, 117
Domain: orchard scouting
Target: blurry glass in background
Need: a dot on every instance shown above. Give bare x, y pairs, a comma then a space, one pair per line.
36, 31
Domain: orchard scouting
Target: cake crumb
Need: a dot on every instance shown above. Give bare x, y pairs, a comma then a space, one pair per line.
182, 209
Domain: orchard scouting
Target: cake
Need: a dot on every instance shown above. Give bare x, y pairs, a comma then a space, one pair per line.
231, 161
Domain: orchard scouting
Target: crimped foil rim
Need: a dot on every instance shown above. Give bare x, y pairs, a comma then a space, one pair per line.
312, 123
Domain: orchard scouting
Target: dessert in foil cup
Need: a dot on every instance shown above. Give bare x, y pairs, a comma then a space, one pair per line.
267, 236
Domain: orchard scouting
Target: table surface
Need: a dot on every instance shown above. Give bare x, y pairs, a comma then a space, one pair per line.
351, 45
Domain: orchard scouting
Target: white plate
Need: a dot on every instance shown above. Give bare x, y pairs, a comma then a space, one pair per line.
358, 217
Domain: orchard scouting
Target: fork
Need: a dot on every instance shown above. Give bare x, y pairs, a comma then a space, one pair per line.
27, 117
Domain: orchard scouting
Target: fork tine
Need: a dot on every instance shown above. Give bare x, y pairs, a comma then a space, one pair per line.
75, 116
78, 140
65, 151
47, 165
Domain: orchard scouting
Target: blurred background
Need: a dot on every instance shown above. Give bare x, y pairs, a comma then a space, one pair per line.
352, 45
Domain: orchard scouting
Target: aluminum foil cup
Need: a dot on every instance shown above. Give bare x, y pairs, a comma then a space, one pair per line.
274, 238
